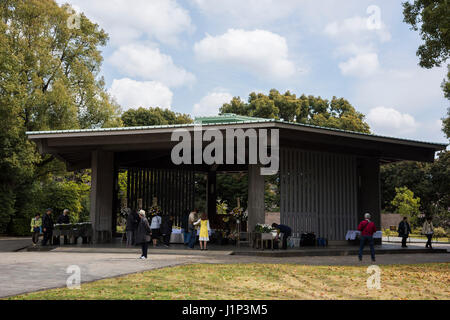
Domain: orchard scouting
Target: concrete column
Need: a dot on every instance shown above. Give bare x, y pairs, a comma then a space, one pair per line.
256, 212
369, 190
102, 186
211, 195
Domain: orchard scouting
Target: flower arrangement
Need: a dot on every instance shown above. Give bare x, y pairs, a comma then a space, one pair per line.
239, 214
155, 210
221, 207
233, 236
263, 228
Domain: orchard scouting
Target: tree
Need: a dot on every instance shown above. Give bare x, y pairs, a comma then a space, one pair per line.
152, 117
337, 113
406, 204
432, 17
49, 79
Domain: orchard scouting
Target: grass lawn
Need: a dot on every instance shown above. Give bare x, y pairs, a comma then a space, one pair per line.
265, 281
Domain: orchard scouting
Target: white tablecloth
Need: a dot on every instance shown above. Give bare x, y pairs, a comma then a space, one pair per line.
351, 234
177, 238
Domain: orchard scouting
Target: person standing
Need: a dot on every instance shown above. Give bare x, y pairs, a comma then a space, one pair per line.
47, 227
403, 231
131, 228
428, 230
204, 231
36, 228
156, 228
185, 227
367, 229
285, 231
192, 228
143, 234
166, 229
64, 219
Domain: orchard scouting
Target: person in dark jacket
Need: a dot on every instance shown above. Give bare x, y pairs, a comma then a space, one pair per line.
131, 228
185, 227
143, 234
403, 231
63, 219
367, 229
285, 231
47, 227
166, 229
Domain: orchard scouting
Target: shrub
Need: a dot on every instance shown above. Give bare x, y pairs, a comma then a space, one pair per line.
440, 232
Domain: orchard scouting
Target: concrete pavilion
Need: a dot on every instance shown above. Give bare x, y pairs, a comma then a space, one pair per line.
328, 178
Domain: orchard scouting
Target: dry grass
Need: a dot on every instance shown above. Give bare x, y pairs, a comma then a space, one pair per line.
265, 281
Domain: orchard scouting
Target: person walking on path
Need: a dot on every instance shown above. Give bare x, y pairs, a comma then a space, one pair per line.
156, 228
367, 229
428, 230
204, 231
166, 229
47, 227
403, 231
192, 229
36, 228
143, 234
130, 229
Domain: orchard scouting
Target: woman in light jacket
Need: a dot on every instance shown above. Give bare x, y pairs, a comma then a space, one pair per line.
428, 230
143, 234
36, 228
156, 228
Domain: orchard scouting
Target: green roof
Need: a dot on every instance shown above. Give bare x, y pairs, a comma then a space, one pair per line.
226, 118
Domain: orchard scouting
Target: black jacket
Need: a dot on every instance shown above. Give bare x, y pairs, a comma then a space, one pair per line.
47, 222
132, 222
62, 219
166, 225
404, 229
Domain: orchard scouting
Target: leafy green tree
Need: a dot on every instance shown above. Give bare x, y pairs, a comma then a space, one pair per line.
153, 116
337, 113
49, 79
432, 19
406, 204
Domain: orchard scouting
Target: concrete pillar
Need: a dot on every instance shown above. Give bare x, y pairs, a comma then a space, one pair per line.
256, 211
211, 195
102, 186
369, 190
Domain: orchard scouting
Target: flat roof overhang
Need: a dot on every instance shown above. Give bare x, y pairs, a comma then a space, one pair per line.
153, 144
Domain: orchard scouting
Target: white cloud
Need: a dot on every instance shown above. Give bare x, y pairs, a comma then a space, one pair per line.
210, 104
388, 121
361, 65
127, 21
356, 28
146, 63
259, 51
133, 94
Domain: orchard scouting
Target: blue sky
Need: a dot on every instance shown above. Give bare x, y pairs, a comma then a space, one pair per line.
191, 56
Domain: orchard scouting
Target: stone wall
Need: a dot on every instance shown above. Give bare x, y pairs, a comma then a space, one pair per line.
272, 217
390, 219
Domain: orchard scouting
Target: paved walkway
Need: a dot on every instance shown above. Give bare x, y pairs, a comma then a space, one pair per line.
9, 244
22, 272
